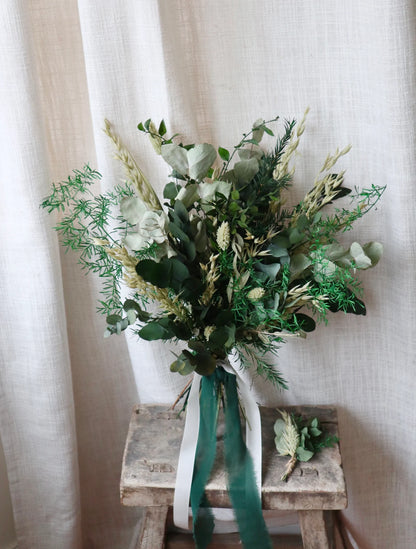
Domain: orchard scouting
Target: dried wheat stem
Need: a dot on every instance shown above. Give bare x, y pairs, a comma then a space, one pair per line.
134, 173
181, 393
136, 282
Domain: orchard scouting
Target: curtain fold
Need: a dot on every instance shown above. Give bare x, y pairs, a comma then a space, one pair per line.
36, 398
209, 69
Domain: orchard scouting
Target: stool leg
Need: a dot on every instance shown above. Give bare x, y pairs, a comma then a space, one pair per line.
152, 535
316, 529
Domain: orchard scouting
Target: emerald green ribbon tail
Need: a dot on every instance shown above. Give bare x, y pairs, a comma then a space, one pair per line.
203, 518
243, 491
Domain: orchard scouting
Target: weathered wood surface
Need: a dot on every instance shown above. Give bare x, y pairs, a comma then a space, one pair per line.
152, 535
317, 529
151, 458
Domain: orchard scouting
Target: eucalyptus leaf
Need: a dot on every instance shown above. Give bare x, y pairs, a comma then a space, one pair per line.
253, 152
181, 330
258, 129
281, 241
245, 170
270, 270
223, 336
154, 330
181, 211
295, 235
170, 191
134, 241
178, 233
131, 316
361, 261
132, 209
281, 447
196, 345
302, 222
176, 157
279, 427
188, 195
205, 363
182, 366
373, 250
178, 273
190, 250
130, 304
278, 251
335, 252
303, 455
207, 191
200, 159
325, 268
298, 264
230, 177
113, 319
154, 272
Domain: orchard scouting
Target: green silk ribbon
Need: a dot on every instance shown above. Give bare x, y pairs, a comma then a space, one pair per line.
242, 487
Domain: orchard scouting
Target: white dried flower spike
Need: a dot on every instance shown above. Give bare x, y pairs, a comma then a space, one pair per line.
223, 235
256, 294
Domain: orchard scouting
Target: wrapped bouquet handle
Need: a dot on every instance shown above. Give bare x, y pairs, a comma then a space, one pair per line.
242, 461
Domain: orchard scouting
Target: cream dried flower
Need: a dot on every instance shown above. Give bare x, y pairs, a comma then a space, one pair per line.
287, 441
223, 235
256, 294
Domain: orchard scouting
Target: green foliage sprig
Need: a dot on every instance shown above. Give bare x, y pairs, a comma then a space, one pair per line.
86, 224
229, 265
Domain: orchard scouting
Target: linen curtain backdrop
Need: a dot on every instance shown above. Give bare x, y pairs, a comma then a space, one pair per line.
209, 69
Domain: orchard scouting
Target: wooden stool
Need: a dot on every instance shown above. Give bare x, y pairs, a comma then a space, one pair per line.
314, 490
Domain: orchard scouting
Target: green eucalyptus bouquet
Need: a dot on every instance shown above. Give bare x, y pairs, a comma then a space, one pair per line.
231, 266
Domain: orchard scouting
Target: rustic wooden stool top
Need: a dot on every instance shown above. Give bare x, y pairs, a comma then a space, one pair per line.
151, 456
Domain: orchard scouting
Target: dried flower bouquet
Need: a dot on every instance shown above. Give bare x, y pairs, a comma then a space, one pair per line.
232, 267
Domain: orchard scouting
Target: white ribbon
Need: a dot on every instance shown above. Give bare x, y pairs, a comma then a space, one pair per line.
253, 419
187, 458
190, 438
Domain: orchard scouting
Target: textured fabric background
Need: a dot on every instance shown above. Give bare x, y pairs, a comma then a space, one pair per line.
210, 69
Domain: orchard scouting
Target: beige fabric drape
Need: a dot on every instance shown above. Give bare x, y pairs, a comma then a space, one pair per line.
210, 69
